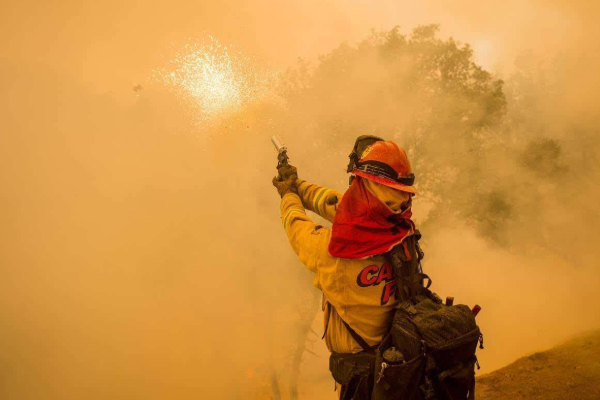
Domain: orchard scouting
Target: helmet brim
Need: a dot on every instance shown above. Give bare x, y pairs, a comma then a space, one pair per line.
385, 181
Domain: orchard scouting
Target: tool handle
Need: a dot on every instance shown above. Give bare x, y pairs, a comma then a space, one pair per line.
282, 157
282, 160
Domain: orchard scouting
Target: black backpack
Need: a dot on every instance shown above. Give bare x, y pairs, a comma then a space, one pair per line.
437, 341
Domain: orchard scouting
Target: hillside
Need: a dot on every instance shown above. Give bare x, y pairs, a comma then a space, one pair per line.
568, 372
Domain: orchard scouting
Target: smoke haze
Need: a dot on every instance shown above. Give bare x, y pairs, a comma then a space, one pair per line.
142, 256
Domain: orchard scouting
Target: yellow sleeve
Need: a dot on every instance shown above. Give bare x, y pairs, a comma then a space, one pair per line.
314, 198
304, 235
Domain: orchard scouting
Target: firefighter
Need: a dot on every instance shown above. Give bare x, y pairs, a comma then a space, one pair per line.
373, 216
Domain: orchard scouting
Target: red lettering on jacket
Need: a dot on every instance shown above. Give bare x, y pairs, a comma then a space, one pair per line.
363, 279
373, 275
389, 290
385, 274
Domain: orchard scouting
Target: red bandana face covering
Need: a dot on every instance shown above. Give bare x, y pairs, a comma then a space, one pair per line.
364, 226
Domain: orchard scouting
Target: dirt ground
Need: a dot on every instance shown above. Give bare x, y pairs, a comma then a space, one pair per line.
569, 371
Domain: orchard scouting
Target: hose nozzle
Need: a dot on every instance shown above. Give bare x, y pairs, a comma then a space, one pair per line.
278, 143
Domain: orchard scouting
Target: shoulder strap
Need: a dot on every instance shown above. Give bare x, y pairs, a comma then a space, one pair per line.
405, 259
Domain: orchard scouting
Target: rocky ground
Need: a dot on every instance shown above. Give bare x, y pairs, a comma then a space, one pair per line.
567, 372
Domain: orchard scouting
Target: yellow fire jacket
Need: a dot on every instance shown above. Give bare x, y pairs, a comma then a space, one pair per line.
361, 292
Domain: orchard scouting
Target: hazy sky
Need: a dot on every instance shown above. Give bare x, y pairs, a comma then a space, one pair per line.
112, 44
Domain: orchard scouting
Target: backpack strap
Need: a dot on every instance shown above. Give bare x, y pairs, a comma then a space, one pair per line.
359, 339
362, 342
405, 259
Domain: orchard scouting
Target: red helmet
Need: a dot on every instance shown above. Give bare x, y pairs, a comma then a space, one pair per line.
386, 163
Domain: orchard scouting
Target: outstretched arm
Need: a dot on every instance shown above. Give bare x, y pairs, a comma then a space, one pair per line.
318, 199
304, 235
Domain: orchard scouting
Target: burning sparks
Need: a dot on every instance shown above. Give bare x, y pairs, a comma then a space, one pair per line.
218, 83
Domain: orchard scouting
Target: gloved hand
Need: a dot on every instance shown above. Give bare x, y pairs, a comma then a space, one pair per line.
287, 171
285, 181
